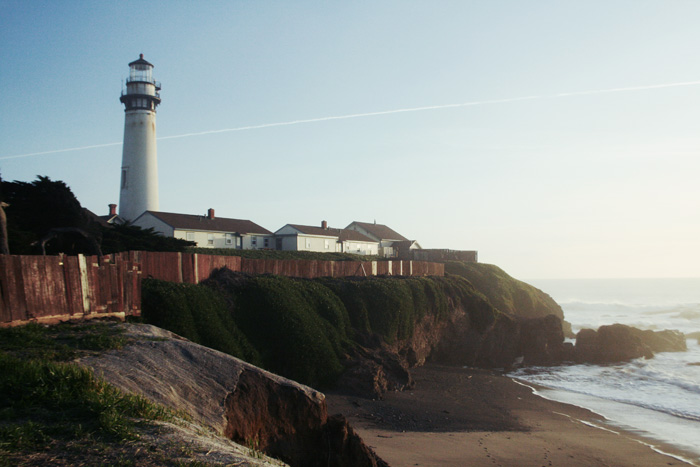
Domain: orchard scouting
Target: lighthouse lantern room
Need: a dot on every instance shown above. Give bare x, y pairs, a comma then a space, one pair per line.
139, 176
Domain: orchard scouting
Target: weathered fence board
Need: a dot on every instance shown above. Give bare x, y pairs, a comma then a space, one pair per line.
14, 303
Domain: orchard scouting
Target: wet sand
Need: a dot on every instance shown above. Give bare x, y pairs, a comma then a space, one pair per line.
467, 417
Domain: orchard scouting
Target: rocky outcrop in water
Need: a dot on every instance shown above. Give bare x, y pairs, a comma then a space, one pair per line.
620, 343
664, 341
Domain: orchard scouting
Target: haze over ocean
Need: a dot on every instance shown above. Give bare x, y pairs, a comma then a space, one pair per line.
659, 397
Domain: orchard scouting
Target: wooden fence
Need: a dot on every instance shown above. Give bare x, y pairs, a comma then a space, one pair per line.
57, 288
193, 268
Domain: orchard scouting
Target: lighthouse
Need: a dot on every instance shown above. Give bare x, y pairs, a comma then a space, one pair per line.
139, 178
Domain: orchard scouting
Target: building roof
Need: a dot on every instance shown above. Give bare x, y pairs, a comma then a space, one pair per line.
141, 61
355, 236
407, 244
218, 224
95, 218
380, 231
342, 234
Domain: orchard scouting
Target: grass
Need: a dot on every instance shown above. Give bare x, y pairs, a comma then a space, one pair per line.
508, 295
41, 400
51, 409
62, 342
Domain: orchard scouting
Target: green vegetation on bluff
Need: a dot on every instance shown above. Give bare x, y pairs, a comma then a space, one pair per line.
508, 295
302, 328
197, 313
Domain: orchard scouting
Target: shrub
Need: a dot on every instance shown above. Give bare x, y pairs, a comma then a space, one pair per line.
197, 313
297, 327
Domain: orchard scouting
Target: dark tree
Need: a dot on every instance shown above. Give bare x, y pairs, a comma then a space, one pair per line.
130, 237
38, 207
44, 217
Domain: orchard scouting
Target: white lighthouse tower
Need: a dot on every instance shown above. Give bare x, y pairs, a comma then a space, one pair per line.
139, 181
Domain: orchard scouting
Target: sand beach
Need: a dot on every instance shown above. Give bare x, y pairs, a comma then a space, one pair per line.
468, 417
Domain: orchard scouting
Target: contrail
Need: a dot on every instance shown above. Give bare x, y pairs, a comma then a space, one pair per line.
55, 151
378, 113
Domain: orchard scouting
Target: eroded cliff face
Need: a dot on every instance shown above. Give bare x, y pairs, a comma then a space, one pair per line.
259, 410
475, 333
292, 425
464, 338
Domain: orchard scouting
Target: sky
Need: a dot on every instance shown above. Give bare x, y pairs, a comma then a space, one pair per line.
559, 139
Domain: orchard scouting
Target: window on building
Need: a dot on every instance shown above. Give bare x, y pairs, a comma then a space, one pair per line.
190, 236
229, 239
308, 243
327, 244
254, 241
266, 242
125, 170
210, 239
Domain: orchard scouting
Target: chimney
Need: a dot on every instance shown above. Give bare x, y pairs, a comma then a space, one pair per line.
210, 213
324, 225
112, 209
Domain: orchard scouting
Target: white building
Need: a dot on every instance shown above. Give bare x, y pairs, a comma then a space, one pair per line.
208, 231
294, 237
391, 243
139, 173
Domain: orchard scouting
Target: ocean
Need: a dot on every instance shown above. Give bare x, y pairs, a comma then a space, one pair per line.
658, 398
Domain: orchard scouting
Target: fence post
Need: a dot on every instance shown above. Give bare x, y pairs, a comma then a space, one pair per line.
84, 283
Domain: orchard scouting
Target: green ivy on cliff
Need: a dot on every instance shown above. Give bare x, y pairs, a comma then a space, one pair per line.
508, 295
297, 337
302, 328
197, 313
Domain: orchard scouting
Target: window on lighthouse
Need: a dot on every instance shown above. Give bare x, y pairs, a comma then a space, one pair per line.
141, 73
124, 172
